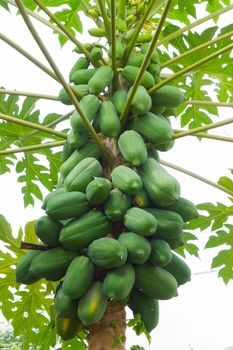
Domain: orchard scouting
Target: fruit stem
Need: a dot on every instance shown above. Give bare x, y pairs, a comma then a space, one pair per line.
122, 9
113, 42
105, 19
145, 62
32, 148
50, 125
209, 136
21, 7
67, 32
196, 49
28, 56
189, 68
32, 246
32, 125
208, 103
203, 128
136, 33
168, 38
28, 94
39, 18
196, 176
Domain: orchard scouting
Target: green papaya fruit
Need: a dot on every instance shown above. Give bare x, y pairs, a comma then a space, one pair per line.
155, 282
146, 307
132, 147
126, 179
162, 188
100, 80
82, 174
77, 139
136, 59
93, 304
64, 306
141, 199
130, 73
90, 149
79, 91
116, 205
186, 209
119, 50
168, 96
179, 269
48, 230
68, 328
107, 253
79, 233
78, 277
96, 53
161, 253
153, 129
67, 205
22, 272
81, 63
138, 221
66, 151
51, 195
141, 102
119, 282
97, 190
82, 76
119, 99
138, 247
52, 264
110, 124
97, 32
89, 105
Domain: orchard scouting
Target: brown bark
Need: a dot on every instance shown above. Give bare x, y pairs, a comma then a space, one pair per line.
112, 326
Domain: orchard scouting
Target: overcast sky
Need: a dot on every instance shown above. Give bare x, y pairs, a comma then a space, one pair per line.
200, 318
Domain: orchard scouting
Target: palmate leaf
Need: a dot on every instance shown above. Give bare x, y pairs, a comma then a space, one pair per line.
4, 4
224, 258
34, 168
217, 215
216, 73
27, 307
188, 247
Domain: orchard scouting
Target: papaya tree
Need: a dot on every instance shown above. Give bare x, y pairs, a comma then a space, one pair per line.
115, 225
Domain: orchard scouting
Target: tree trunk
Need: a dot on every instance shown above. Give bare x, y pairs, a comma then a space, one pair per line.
109, 329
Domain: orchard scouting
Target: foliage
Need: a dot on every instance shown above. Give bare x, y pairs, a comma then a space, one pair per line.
30, 307
8, 341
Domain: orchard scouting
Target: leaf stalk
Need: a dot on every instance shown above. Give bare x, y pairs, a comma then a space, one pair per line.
21, 7
208, 103
196, 49
28, 56
32, 125
174, 35
28, 94
66, 32
32, 148
196, 176
145, 62
190, 68
137, 30
203, 128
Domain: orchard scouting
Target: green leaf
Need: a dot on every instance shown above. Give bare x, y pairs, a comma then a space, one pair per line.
188, 247
4, 4
225, 259
218, 215
138, 326
221, 237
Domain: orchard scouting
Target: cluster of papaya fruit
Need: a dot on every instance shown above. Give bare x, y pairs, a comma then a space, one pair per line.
110, 234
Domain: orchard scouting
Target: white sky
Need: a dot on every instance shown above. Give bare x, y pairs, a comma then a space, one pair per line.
200, 318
